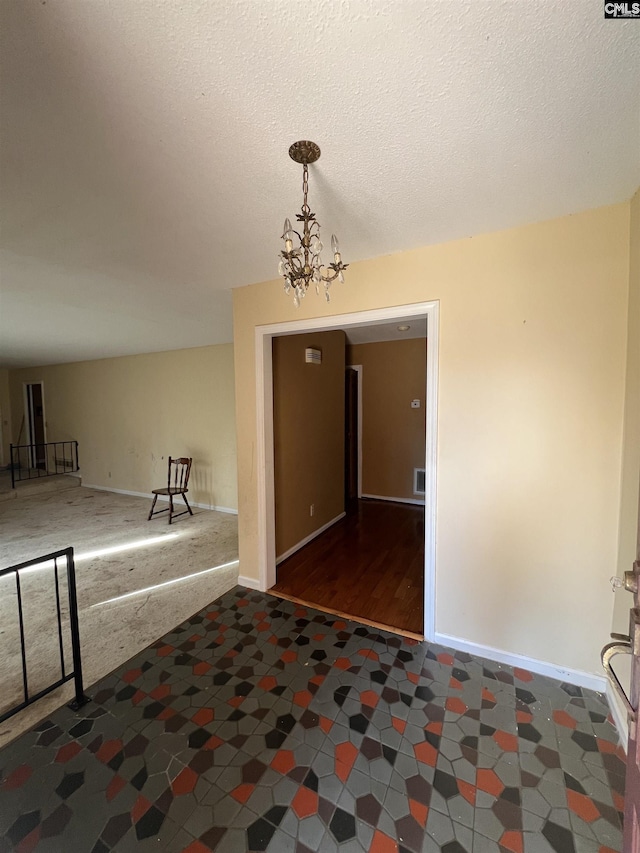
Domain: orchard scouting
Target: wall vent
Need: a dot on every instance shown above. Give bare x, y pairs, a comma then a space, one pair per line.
418, 481
313, 356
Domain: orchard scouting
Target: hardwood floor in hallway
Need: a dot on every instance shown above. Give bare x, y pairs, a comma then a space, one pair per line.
370, 565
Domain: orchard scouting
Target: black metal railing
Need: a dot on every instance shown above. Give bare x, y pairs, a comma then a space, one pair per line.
73, 630
31, 461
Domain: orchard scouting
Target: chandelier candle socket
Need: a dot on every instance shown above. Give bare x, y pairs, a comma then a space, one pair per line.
302, 265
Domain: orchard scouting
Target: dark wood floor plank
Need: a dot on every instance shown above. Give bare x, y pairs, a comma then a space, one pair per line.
368, 565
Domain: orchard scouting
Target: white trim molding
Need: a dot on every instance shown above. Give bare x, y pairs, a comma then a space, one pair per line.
572, 676
250, 583
619, 714
309, 538
160, 498
264, 425
416, 501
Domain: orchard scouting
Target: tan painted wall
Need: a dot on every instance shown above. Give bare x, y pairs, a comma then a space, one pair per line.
308, 423
628, 545
129, 414
393, 374
531, 392
5, 417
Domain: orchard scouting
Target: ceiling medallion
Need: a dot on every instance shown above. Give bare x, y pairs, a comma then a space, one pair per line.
302, 265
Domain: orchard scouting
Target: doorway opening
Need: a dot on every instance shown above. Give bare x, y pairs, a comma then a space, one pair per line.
424, 519
36, 425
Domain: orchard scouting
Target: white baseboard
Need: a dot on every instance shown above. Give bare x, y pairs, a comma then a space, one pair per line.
572, 676
160, 498
394, 500
619, 714
309, 538
250, 583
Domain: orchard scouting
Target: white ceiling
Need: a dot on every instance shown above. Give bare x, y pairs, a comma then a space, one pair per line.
144, 167
379, 332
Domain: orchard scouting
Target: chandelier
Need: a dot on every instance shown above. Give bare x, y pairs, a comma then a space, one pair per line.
302, 266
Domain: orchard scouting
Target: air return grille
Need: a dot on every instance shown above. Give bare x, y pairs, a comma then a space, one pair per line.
418, 481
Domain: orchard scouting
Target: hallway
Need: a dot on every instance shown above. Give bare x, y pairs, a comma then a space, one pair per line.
369, 566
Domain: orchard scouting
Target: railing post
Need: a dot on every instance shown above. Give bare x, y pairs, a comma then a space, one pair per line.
13, 474
77, 457
74, 626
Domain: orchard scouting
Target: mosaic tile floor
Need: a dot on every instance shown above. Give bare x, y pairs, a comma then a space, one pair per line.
262, 725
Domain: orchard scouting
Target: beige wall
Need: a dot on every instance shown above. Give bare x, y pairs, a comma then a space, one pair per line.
393, 374
308, 424
129, 414
531, 391
5, 417
628, 546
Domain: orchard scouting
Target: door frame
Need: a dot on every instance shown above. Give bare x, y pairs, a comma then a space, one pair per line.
358, 370
27, 419
264, 416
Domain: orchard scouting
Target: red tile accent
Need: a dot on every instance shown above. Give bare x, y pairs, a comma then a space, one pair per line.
213, 615
283, 761
317, 679
213, 743
166, 714
319, 637
325, 724
345, 756
523, 717
242, 792
164, 651
618, 801
268, 682
67, 752
512, 840
583, 806
413, 677
203, 717
419, 811
606, 850
242, 602
342, 663
194, 638
381, 843
454, 684
564, 719
302, 698
305, 802
507, 742
261, 614
607, 746
370, 698
263, 626
288, 657
455, 704
302, 613
30, 842
160, 691
398, 724
131, 675
488, 696
468, 791
409, 641
236, 701
114, 787
426, 753
369, 653
17, 778
185, 782
523, 674
446, 659
488, 781
339, 625
436, 728
137, 697
108, 749
201, 668
140, 807
196, 847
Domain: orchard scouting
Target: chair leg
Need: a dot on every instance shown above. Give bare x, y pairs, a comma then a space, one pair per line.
170, 508
155, 498
184, 498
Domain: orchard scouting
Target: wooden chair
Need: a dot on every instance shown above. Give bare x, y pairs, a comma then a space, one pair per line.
177, 483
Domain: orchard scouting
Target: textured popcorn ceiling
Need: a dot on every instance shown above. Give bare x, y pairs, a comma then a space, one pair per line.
144, 146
